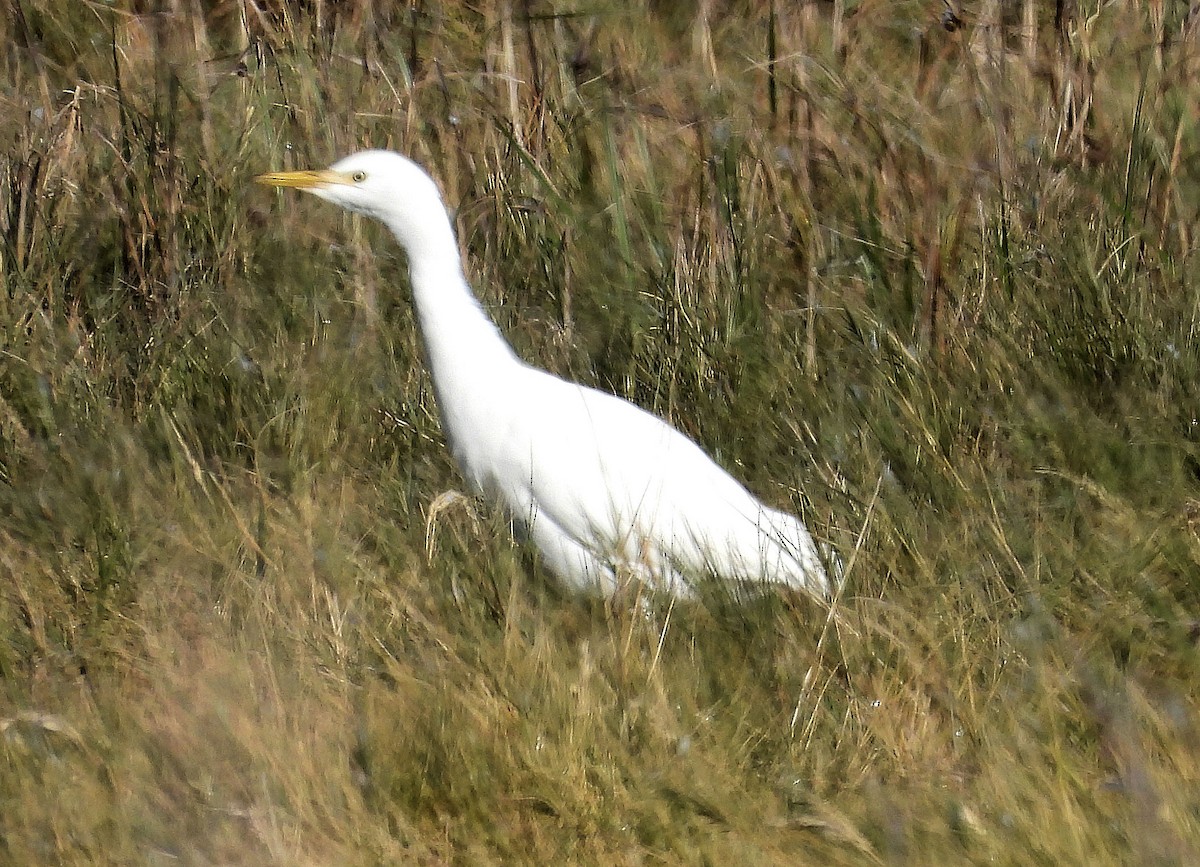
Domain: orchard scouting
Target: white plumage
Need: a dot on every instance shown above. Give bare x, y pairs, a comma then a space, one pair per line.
604, 489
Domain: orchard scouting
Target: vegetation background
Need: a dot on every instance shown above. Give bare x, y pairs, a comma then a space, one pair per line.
922, 272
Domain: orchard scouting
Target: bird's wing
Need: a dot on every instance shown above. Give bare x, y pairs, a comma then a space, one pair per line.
627, 486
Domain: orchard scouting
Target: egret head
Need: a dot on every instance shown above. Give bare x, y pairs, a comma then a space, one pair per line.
380, 184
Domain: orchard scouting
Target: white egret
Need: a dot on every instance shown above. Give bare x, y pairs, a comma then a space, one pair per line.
604, 489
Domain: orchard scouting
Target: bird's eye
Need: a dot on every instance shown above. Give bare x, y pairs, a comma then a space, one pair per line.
358, 177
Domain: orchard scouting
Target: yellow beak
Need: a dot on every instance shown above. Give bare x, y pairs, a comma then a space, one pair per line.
309, 180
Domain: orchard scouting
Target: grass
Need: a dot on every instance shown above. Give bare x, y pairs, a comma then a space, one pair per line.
921, 274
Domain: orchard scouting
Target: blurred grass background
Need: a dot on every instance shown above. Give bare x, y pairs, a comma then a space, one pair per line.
921, 272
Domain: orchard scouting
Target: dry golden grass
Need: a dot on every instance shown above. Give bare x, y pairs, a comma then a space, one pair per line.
919, 271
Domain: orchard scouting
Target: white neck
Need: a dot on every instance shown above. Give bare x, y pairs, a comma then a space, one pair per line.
466, 351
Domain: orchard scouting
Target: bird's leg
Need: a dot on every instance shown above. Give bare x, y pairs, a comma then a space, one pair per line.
628, 591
